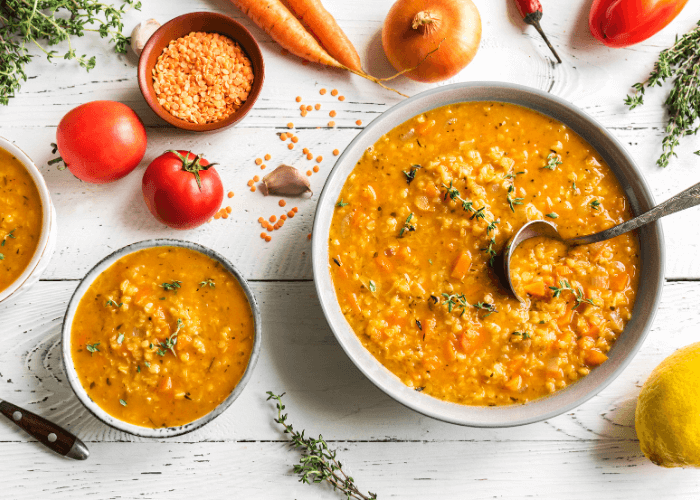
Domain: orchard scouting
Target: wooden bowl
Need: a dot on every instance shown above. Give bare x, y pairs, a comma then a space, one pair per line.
208, 22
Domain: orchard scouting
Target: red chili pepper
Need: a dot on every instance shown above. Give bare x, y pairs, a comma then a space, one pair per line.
531, 11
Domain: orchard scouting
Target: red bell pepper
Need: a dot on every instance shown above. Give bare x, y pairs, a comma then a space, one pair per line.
621, 23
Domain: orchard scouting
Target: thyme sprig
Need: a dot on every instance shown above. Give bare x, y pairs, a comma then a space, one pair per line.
169, 343
207, 283
485, 306
456, 300
407, 226
173, 285
513, 201
553, 160
8, 235
411, 174
681, 62
318, 463
45, 23
453, 194
579, 296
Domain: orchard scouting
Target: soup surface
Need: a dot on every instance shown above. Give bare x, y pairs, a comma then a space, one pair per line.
162, 337
414, 234
20, 219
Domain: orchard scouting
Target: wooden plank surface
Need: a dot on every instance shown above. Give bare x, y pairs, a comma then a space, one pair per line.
590, 452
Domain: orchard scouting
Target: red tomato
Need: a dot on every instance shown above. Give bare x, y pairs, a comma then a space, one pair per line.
182, 190
620, 23
101, 141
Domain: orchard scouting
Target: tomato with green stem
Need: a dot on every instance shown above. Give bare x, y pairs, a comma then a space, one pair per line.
621, 23
182, 190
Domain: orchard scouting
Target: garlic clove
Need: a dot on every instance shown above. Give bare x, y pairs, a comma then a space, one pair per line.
286, 181
141, 33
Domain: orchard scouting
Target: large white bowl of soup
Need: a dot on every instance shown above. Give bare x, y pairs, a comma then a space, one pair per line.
409, 224
27, 221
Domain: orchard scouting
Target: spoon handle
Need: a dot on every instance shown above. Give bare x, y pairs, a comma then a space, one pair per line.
49, 434
685, 199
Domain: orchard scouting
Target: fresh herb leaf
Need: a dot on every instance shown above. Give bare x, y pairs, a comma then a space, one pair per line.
456, 300
173, 285
120, 339
553, 160
138, 369
2, 256
595, 205
372, 286
148, 365
92, 348
453, 194
407, 226
341, 204
513, 201
169, 343
484, 306
8, 235
208, 282
112, 303
681, 62
411, 174
122, 402
318, 463
552, 215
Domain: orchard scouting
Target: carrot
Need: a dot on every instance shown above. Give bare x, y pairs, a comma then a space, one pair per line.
278, 22
324, 26
461, 265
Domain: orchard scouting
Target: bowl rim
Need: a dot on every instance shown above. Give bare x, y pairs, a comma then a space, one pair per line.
651, 244
47, 219
66, 328
143, 72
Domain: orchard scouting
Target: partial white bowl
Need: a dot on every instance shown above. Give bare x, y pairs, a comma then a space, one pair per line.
47, 238
72, 374
650, 238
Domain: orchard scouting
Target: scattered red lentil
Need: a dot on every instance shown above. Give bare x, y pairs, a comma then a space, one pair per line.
268, 238
332, 114
282, 203
303, 114
256, 178
283, 217
290, 125
334, 92
309, 156
290, 214
298, 98
258, 161
295, 139
318, 106
290, 146
308, 236
308, 172
283, 136
331, 124
295, 209
273, 218
309, 108
230, 194
263, 167
305, 151
217, 216
302, 107
319, 159
261, 220
229, 210
322, 91
341, 98
358, 122
250, 183
316, 169
224, 215
252, 189
262, 235
336, 152
268, 157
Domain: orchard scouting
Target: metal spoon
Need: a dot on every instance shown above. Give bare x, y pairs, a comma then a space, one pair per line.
49, 434
686, 199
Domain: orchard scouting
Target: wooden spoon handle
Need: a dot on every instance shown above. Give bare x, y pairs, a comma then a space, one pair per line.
49, 434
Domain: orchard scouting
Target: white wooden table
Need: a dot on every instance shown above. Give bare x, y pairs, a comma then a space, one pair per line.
591, 452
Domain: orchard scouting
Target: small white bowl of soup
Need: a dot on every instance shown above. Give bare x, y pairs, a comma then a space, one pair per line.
27, 221
161, 337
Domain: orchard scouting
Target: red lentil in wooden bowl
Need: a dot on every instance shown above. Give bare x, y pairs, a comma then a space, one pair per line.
201, 71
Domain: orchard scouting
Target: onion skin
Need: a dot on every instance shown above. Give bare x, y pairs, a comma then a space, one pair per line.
414, 28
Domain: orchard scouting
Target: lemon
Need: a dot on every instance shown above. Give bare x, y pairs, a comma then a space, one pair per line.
667, 418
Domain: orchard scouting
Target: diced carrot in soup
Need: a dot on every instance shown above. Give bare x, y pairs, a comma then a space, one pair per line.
619, 282
536, 288
594, 357
469, 343
384, 263
514, 383
461, 265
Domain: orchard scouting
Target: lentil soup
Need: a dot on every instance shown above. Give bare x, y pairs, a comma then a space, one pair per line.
417, 226
162, 337
20, 219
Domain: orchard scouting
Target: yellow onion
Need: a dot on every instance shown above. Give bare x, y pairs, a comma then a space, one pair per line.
433, 39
